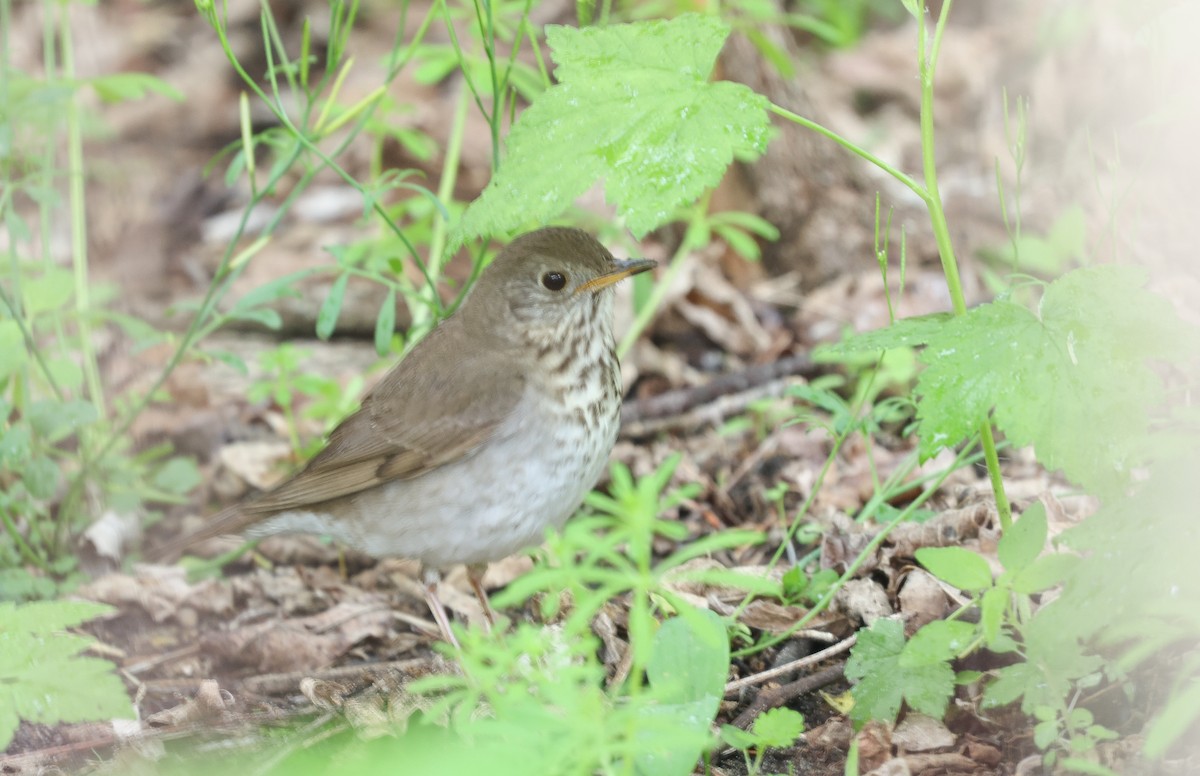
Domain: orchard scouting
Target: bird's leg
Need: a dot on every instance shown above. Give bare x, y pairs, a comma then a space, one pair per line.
431, 577
475, 572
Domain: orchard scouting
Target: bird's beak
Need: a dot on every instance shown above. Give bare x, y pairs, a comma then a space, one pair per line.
623, 270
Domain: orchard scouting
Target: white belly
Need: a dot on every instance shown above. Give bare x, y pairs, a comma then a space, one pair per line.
531, 475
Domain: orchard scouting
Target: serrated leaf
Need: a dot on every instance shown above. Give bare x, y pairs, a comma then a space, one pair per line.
1045, 733
1044, 573
633, 107
1024, 540
1011, 683
937, 642
779, 727
906, 332
738, 738
331, 308
48, 616
992, 606
960, 567
883, 684
1049, 378
42, 677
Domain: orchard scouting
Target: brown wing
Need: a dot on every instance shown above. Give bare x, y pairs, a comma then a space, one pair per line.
437, 406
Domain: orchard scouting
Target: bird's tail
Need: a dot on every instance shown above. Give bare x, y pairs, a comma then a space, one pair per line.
228, 520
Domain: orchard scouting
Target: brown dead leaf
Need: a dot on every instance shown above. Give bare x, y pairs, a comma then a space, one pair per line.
160, 591
280, 646
922, 599
874, 745
261, 464
948, 529
864, 600
722, 312
210, 704
921, 733
939, 763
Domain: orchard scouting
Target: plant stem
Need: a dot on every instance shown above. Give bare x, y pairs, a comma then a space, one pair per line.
852, 148
659, 293
445, 193
941, 231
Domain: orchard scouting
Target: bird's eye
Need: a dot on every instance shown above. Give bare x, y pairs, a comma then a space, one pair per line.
555, 281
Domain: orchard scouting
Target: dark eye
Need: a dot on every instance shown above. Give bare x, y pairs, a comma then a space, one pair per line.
555, 281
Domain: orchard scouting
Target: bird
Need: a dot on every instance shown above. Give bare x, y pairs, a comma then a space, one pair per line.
490, 430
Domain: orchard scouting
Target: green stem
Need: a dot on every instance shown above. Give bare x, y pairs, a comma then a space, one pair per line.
79, 254
658, 293
445, 193
941, 231
23, 548
988, 442
852, 148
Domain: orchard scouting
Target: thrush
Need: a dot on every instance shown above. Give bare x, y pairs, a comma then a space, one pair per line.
490, 430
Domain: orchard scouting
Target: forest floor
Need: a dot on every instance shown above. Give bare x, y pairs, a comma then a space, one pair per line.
715, 379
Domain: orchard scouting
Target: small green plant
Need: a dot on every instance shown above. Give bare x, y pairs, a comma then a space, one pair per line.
547, 685
800, 587
43, 677
772, 729
284, 382
1064, 732
63, 446
889, 669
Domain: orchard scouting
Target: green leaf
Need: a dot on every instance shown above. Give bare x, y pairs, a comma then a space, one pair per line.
937, 642
48, 291
178, 475
883, 683
263, 316
125, 87
13, 354
1044, 573
633, 106
778, 727
992, 606
42, 677
738, 738
1024, 541
54, 420
1047, 377
41, 477
906, 332
690, 658
688, 666
331, 308
1045, 733
66, 372
961, 568
1011, 683
795, 581
385, 323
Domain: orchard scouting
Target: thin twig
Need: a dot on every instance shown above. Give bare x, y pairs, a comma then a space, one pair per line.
795, 665
777, 696
679, 401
